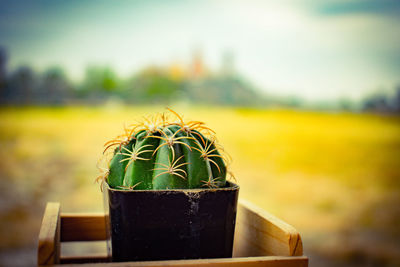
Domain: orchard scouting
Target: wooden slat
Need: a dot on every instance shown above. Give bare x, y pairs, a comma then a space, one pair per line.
92, 258
272, 261
259, 233
83, 227
49, 236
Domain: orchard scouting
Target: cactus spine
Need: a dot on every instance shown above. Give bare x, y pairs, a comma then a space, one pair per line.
160, 154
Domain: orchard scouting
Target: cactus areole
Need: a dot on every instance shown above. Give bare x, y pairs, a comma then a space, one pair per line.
167, 193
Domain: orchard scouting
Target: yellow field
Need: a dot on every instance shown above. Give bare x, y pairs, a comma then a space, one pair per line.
326, 174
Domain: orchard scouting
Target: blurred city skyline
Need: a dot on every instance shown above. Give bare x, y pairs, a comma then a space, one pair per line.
314, 50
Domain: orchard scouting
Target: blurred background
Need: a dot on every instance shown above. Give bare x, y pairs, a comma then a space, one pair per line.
304, 95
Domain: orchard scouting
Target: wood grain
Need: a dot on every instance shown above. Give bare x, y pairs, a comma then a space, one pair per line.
49, 236
83, 227
272, 261
259, 233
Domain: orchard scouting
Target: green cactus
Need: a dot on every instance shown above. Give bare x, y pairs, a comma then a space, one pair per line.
160, 154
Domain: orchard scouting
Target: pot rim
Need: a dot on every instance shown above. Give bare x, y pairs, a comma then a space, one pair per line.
232, 186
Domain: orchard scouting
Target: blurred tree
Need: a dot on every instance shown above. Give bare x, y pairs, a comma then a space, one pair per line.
345, 104
154, 85
376, 102
3, 74
396, 100
225, 90
383, 101
22, 86
54, 87
99, 83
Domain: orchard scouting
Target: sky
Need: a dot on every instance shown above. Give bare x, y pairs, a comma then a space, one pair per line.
317, 50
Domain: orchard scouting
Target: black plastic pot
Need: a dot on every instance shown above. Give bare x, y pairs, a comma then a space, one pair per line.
172, 224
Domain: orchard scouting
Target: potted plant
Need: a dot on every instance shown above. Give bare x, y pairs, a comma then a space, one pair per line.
166, 192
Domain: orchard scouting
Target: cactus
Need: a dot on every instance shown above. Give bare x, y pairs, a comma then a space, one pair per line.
160, 154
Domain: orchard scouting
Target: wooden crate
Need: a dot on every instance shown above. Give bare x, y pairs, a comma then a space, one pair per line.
260, 240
